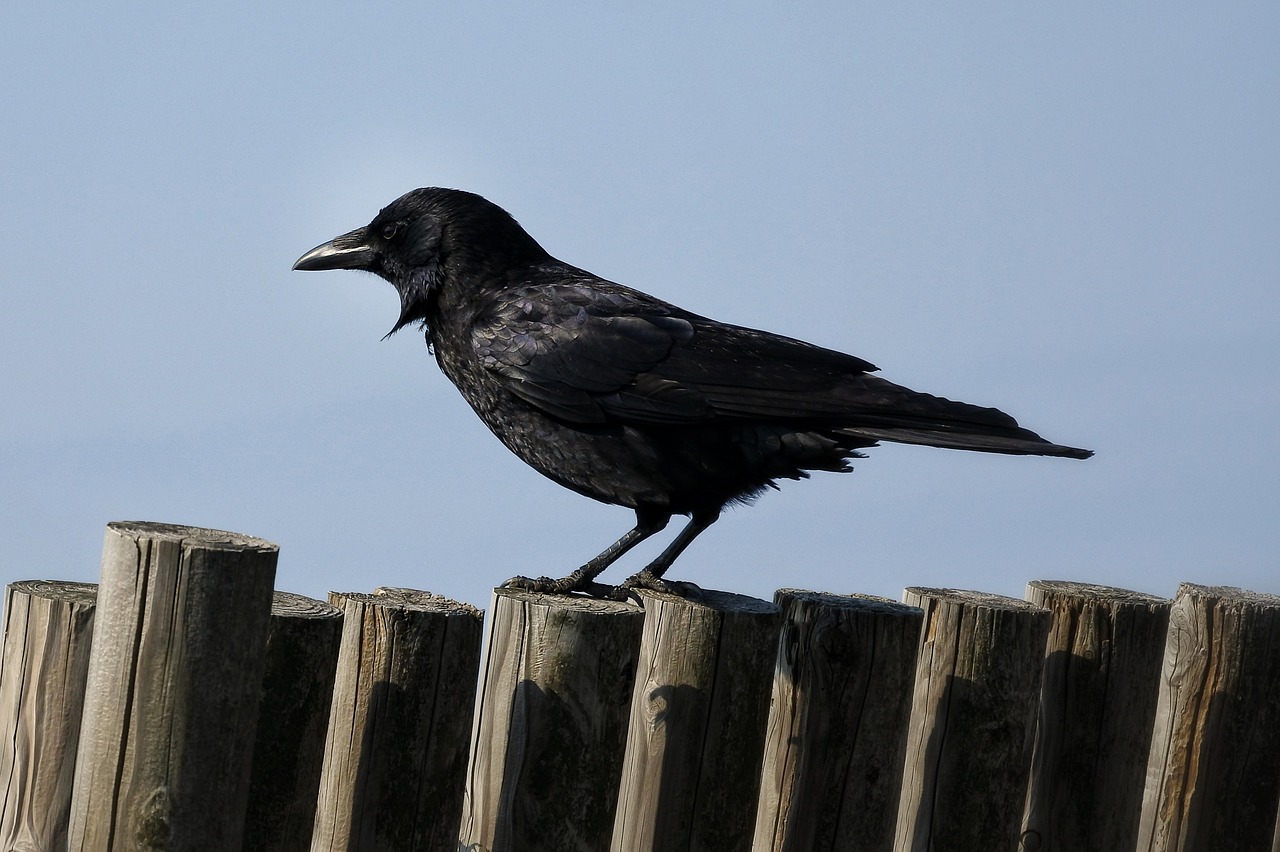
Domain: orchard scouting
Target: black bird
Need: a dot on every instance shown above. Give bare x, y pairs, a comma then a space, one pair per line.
626, 398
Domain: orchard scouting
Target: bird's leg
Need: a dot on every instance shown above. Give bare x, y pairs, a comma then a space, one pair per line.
648, 522
651, 576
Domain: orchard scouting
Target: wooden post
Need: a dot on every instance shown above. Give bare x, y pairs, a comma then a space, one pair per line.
691, 773
546, 755
172, 697
297, 691
48, 630
1097, 706
1213, 779
972, 719
396, 750
837, 723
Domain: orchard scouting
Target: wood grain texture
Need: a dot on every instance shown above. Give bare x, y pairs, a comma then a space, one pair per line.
297, 691
691, 774
977, 687
552, 723
1213, 778
837, 723
396, 748
48, 633
1097, 706
171, 702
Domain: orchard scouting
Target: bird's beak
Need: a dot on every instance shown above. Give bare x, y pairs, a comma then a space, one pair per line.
349, 251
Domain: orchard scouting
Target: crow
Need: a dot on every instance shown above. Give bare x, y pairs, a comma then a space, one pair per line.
626, 398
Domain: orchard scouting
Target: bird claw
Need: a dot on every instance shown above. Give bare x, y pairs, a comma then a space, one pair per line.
647, 580
626, 591
564, 586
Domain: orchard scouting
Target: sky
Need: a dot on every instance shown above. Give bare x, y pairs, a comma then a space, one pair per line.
1068, 211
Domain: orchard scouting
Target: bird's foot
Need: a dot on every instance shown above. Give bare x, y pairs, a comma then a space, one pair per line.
646, 579
574, 583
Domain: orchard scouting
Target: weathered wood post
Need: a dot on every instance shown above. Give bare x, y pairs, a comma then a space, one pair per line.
546, 754
1097, 706
837, 723
174, 678
396, 749
1213, 779
972, 719
288, 751
48, 631
691, 773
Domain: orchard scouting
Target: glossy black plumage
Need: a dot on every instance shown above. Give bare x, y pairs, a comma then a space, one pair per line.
626, 398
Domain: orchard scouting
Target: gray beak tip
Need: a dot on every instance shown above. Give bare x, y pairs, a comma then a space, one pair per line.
348, 251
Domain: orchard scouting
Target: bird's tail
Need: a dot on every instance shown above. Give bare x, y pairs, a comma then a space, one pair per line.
1023, 443
905, 416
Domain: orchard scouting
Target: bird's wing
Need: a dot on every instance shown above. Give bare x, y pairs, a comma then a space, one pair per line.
757, 374
588, 355
592, 351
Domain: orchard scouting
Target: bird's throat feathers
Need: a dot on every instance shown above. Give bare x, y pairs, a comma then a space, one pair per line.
418, 291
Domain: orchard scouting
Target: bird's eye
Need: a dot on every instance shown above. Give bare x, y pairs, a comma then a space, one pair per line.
390, 230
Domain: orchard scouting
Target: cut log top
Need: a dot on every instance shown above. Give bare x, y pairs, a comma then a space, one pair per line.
57, 590
577, 603
1043, 590
408, 599
712, 599
290, 605
1230, 595
969, 598
855, 602
196, 536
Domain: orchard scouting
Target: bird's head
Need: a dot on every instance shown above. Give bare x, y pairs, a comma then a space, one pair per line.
427, 240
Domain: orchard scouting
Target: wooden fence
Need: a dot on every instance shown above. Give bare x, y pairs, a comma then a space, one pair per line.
182, 705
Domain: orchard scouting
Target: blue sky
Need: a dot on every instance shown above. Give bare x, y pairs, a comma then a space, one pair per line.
1069, 211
